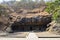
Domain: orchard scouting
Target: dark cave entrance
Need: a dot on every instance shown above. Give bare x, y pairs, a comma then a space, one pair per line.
31, 24
22, 28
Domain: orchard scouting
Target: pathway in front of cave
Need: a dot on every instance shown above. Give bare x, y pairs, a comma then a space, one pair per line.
32, 36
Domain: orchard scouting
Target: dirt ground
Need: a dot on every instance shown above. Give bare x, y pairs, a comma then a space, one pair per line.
25, 34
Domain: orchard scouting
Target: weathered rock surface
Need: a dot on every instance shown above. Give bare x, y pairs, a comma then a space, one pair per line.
54, 27
25, 20
33, 19
3, 23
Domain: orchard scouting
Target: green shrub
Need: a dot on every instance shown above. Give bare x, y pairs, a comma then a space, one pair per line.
53, 7
3, 10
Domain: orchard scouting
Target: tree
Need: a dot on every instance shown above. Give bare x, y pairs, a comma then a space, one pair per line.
24, 1
53, 7
37, 1
2, 10
3, 1
42, 2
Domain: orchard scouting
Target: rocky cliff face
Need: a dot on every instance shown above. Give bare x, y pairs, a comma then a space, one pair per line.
34, 19
3, 23
31, 19
26, 18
